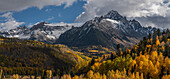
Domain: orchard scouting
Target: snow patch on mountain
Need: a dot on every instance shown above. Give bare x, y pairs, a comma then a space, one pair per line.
113, 21
65, 24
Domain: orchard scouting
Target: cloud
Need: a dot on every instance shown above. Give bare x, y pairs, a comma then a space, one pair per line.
155, 21
51, 18
18, 5
10, 23
141, 9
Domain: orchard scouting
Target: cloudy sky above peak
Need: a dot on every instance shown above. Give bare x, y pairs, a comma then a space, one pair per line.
14, 13
148, 12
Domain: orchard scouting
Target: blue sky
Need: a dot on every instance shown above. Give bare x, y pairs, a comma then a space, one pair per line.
51, 14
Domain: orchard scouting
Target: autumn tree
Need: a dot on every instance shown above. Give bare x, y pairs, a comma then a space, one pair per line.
157, 41
90, 74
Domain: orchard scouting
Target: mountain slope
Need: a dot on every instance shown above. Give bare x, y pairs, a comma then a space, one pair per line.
108, 31
18, 54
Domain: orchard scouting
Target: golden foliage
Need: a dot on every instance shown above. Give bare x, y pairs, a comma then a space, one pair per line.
157, 41
93, 51
66, 77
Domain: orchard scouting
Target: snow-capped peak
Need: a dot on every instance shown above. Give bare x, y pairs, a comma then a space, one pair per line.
114, 15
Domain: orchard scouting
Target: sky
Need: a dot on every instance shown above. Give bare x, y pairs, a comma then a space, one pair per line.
14, 13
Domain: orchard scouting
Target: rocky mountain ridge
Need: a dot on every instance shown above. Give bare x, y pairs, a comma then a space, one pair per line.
108, 30
43, 32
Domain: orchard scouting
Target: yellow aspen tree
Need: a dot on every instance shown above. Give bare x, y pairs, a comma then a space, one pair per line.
166, 77
133, 76
96, 76
90, 74
104, 76
140, 53
137, 75
75, 77
157, 41
141, 65
124, 72
167, 63
161, 58
1, 73
110, 74
15, 76
141, 76
129, 51
151, 40
49, 73
66, 77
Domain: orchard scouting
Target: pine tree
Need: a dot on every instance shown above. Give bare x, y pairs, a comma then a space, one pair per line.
92, 61
118, 50
167, 48
158, 32
149, 36
154, 37
118, 46
164, 38
112, 56
167, 31
163, 32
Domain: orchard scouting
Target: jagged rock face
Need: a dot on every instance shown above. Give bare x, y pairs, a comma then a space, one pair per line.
108, 30
43, 32
39, 26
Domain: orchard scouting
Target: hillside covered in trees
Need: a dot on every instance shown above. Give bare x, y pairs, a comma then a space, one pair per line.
149, 59
26, 57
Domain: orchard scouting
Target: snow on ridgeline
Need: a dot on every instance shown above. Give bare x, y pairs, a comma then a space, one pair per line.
65, 24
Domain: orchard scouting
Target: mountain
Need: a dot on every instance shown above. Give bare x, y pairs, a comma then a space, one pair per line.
108, 31
43, 32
